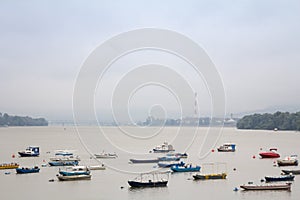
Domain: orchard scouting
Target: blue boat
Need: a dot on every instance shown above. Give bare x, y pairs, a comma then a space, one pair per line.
63, 163
279, 178
77, 170
186, 168
25, 170
170, 164
31, 151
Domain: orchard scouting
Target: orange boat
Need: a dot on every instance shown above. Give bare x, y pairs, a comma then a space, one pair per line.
9, 166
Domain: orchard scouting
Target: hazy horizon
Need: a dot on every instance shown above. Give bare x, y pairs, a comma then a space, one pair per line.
254, 45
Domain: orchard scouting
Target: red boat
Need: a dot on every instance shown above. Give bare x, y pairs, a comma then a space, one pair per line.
270, 154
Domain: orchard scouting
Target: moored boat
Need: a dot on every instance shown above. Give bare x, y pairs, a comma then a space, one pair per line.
104, 155
291, 171
227, 147
63, 163
9, 166
169, 158
288, 161
279, 178
76, 170
155, 160
164, 148
286, 186
74, 177
165, 164
149, 180
209, 176
31, 151
179, 155
97, 167
272, 153
27, 170
65, 158
185, 168
63, 152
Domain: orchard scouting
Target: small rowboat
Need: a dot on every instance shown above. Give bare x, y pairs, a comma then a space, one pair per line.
104, 155
286, 186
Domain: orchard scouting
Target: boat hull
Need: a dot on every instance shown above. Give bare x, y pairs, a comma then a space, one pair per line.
266, 187
269, 155
185, 169
144, 160
280, 178
63, 163
137, 184
27, 171
287, 163
209, 176
167, 165
9, 166
290, 171
24, 154
74, 178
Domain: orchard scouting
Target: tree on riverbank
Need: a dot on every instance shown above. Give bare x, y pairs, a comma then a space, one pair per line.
278, 120
7, 120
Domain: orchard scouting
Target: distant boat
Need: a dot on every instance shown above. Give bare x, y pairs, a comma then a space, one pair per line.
31, 151
155, 160
164, 148
63, 163
209, 176
227, 147
286, 186
76, 170
270, 154
169, 158
288, 161
279, 178
186, 168
291, 171
168, 164
9, 166
63, 153
148, 180
25, 170
97, 167
74, 177
104, 155
179, 155
65, 158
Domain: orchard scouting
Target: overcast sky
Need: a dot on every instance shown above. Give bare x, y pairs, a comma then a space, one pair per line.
255, 45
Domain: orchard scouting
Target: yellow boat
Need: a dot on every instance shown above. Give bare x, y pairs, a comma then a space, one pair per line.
9, 166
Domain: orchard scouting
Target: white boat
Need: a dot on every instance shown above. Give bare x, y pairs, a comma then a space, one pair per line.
164, 148
65, 158
106, 155
288, 161
227, 147
74, 177
64, 152
97, 167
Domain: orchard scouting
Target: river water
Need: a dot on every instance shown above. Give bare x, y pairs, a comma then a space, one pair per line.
133, 142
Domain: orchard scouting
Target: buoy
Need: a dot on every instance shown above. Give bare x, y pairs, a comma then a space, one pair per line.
44, 161
122, 187
212, 150
13, 156
260, 148
234, 169
253, 157
250, 182
7, 173
235, 189
51, 180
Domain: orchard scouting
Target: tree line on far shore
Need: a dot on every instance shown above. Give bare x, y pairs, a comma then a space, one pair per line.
276, 121
8, 120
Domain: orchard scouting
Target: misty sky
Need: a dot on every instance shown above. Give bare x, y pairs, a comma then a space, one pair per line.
255, 45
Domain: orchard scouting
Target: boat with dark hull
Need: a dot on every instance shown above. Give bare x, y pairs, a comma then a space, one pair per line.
279, 178
155, 160
63, 163
286, 186
26, 170
149, 180
291, 171
164, 148
32, 151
